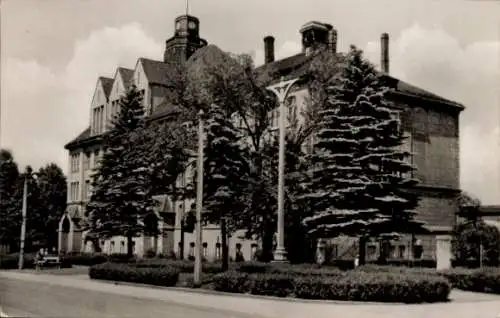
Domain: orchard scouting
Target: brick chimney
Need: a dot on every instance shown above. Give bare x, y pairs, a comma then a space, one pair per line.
332, 40
384, 58
269, 49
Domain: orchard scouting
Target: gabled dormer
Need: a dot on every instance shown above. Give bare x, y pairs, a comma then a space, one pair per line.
122, 80
154, 79
141, 81
98, 105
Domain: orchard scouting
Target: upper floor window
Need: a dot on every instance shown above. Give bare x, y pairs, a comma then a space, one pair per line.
74, 189
86, 161
96, 158
75, 162
86, 189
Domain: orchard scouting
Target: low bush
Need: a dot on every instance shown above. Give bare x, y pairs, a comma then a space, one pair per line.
485, 280
11, 261
87, 259
355, 286
184, 266
164, 276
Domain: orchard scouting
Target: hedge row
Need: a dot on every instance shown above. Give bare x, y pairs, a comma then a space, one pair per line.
11, 261
165, 276
359, 286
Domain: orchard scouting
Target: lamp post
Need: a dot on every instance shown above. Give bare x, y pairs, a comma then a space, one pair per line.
24, 217
281, 91
199, 203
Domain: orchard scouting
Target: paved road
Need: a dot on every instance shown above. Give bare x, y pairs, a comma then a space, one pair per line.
41, 295
20, 298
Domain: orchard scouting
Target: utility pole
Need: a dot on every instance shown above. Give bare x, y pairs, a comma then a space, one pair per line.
23, 224
199, 203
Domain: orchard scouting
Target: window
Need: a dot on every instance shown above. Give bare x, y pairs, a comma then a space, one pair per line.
217, 251
86, 161
254, 252
74, 189
133, 247
96, 158
112, 247
86, 189
238, 257
392, 252
402, 251
205, 249
122, 247
418, 250
371, 252
75, 162
191, 249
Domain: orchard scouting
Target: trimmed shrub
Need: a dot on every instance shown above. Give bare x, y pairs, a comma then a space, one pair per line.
232, 282
181, 265
11, 261
354, 286
280, 285
164, 276
485, 280
87, 259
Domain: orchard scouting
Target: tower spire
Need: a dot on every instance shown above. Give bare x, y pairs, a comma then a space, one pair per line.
187, 7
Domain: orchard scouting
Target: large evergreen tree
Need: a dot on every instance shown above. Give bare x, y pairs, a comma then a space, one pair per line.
121, 198
360, 180
225, 173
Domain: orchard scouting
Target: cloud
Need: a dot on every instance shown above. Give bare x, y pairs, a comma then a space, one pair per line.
43, 110
436, 61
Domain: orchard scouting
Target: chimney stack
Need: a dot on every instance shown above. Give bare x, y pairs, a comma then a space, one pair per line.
384, 45
269, 49
332, 40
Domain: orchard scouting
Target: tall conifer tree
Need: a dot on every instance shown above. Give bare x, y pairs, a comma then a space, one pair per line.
121, 199
361, 181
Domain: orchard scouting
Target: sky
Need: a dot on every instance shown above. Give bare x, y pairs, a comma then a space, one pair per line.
52, 52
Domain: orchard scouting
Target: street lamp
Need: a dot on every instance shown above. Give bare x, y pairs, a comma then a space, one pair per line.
28, 174
199, 203
281, 91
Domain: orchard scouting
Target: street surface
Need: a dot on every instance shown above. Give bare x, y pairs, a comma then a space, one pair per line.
45, 295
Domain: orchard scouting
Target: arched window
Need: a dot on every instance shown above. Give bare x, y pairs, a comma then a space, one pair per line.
254, 251
217, 251
205, 249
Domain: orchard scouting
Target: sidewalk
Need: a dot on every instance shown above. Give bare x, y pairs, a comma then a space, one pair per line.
488, 307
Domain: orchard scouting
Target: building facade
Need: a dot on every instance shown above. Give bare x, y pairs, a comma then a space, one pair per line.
431, 124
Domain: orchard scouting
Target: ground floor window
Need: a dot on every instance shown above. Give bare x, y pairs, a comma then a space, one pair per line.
205, 249
191, 249
217, 251
254, 251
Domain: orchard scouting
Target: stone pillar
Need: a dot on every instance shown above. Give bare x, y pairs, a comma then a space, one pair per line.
320, 251
443, 252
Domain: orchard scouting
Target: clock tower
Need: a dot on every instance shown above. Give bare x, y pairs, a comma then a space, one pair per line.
186, 39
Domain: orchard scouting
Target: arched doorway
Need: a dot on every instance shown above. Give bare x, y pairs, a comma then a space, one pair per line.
64, 235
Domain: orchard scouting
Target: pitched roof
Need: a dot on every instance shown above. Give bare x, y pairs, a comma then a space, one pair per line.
127, 76
298, 65
107, 84
157, 72
82, 136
